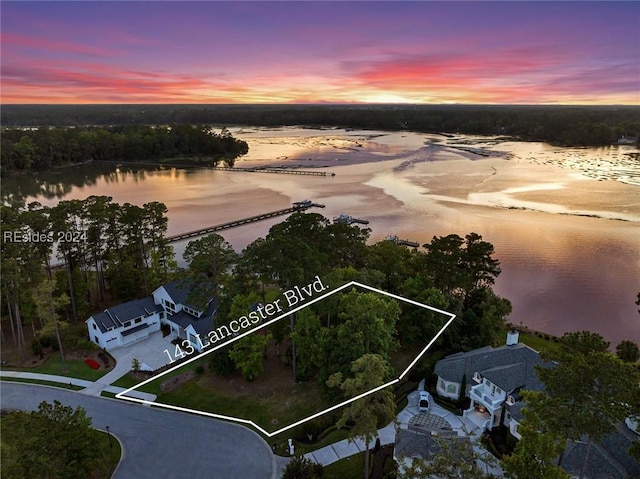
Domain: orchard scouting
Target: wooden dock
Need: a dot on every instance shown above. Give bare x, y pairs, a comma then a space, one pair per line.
282, 171
402, 242
298, 206
349, 220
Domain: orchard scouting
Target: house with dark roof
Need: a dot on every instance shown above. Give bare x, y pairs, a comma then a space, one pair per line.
493, 378
136, 320
608, 458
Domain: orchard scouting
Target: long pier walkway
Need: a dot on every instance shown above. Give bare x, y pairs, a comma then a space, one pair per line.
298, 206
282, 171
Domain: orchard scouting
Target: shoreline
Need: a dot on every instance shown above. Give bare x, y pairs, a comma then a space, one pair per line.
560, 270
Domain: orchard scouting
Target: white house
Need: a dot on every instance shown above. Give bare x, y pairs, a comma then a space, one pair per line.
494, 378
134, 321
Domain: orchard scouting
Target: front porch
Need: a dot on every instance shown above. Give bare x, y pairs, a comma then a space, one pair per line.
480, 418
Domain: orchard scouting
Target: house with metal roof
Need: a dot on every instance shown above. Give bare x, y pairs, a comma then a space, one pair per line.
493, 378
136, 320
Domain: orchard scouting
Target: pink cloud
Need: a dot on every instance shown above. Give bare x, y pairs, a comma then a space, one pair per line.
18, 40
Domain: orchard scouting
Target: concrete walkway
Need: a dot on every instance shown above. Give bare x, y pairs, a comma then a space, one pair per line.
342, 449
91, 388
121, 369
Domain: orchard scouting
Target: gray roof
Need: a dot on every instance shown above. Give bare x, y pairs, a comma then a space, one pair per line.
508, 367
516, 410
608, 458
115, 316
179, 290
203, 325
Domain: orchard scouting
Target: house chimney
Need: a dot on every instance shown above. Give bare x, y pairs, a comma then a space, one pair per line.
512, 337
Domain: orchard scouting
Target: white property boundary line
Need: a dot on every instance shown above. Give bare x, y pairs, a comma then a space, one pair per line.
122, 395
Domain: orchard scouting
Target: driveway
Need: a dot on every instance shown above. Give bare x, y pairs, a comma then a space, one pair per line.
160, 443
436, 419
149, 351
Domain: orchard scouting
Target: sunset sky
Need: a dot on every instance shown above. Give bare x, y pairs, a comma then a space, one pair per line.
316, 52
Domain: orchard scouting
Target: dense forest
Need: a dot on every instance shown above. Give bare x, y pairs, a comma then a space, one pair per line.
45, 147
344, 345
99, 248
110, 252
564, 125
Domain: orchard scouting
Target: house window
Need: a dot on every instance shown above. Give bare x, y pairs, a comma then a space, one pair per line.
138, 320
452, 388
127, 324
441, 383
498, 391
477, 377
94, 326
170, 306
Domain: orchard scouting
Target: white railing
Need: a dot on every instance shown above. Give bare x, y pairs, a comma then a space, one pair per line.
485, 399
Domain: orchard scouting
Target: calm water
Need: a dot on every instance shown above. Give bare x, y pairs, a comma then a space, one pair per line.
565, 222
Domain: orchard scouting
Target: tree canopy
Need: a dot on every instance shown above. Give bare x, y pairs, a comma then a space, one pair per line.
54, 442
365, 414
44, 147
302, 468
587, 393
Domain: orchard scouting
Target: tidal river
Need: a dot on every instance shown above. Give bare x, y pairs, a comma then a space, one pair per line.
565, 222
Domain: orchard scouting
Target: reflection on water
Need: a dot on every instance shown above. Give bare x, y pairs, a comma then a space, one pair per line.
61, 183
562, 271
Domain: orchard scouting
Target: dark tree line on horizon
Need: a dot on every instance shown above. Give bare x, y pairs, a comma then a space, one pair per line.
563, 125
45, 147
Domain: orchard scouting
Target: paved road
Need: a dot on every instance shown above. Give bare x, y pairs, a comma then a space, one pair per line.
159, 443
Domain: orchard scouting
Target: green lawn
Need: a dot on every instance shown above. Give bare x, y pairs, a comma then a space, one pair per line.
303, 402
45, 383
536, 342
127, 381
74, 368
111, 452
300, 448
349, 468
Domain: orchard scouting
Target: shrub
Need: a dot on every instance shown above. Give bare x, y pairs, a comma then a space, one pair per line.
83, 344
36, 347
92, 363
302, 468
48, 341
221, 363
135, 365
